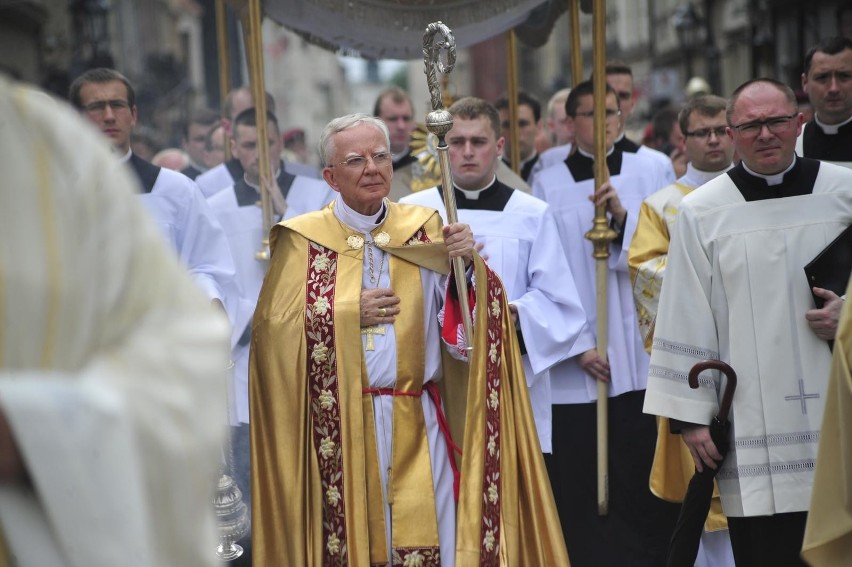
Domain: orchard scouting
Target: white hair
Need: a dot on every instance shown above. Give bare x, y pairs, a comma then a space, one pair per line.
326, 142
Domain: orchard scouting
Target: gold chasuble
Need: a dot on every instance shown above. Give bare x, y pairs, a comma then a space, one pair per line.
317, 497
828, 536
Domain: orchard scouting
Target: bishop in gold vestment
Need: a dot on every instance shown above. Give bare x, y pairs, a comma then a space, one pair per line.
351, 455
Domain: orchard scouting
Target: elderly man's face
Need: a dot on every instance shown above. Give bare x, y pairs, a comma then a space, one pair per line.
829, 85
105, 104
764, 128
362, 186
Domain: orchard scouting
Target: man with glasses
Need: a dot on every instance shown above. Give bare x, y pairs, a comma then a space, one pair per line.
827, 80
623, 537
108, 100
735, 291
709, 151
352, 462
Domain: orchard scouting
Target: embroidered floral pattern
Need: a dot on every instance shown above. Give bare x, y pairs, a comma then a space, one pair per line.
325, 399
416, 557
419, 238
490, 531
321, 263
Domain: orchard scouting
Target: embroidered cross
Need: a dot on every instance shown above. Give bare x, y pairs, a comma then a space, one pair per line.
802, 397
370, 331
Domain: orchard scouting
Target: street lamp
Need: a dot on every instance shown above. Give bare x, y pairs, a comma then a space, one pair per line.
686, 24
91, 30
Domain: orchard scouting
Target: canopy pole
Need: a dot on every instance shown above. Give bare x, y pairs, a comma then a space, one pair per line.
576, 48
224, 58
601, 236
512, 94
251, 17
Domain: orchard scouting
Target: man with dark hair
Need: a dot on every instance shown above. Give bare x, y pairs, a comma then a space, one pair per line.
623, 537
521, 241
223, 176
106, 98
237, 208
668, 138
194, 133
529, 127
393, 107
827, 80
620, 77
735, 291
214, 146
709, 151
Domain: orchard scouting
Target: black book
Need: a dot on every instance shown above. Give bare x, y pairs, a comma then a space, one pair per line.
830, 269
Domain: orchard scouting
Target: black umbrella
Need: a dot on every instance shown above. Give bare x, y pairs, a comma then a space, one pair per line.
683, 547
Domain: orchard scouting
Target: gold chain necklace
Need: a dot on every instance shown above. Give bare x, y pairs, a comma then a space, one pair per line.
373, 279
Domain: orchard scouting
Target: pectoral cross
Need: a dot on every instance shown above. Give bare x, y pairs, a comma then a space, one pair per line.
370, 331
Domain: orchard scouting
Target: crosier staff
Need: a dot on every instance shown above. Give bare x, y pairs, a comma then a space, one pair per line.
439, 122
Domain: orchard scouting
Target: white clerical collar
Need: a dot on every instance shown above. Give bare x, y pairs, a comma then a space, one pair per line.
831, 129
620, 137
592, 156
355, 220
125, 157
695, 177
775, 178
475, 193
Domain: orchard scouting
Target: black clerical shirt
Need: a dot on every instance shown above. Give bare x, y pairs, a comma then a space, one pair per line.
817, 144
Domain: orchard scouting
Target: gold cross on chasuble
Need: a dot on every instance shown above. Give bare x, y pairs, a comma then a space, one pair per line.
370, 331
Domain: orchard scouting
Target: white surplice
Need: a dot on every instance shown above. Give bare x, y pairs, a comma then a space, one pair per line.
522, 245
574, 212
735, 290
111, 361
243, 227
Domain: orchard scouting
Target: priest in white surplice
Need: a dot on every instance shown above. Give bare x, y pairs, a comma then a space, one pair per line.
108, 100
827, 80
735, 290
623, 537
111, 361
521, 243
237, 208
709, 151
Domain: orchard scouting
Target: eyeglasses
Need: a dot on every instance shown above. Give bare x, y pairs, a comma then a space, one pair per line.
100, 106
380, 159
590, 114
775, 124
706, 132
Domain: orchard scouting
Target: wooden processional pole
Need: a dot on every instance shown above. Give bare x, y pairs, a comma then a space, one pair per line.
512, 95
251, 17
224, 58
601, 236
576, 48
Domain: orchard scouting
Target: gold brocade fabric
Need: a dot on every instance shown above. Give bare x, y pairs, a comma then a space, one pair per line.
308, 413
828, 536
